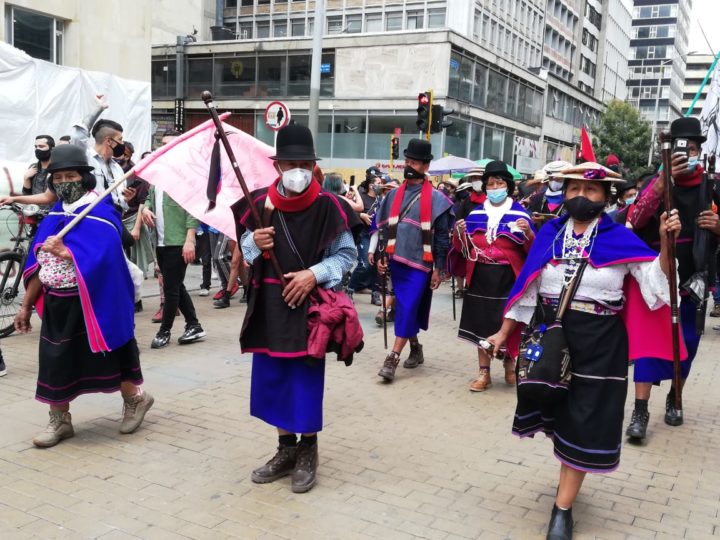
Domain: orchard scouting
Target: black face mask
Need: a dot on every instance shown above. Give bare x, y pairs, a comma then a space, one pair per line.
411, 174
583, 209
42, 155
119, 150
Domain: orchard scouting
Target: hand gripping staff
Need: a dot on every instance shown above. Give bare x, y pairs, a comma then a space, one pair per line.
208, 100
666, 152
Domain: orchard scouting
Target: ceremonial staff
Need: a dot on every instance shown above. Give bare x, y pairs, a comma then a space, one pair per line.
383, 260
208, 100
666, 154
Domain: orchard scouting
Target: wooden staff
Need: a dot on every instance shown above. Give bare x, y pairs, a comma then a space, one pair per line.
666, 154
208, 100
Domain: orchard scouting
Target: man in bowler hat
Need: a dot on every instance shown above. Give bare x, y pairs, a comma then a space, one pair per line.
416, 220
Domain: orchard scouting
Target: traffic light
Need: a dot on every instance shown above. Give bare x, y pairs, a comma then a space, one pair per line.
394, 147
424, 111
439, 122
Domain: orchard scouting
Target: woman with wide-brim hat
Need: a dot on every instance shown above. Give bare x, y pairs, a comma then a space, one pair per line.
494, 239
81, 287
623, 288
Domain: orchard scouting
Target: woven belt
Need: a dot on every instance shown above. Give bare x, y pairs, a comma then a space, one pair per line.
583, 306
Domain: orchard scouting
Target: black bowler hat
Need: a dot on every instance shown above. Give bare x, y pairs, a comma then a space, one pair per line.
499, 169
295, 143
419, 149
687, 128
68, 157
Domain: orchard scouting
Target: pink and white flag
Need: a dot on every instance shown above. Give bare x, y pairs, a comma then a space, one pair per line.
182, 167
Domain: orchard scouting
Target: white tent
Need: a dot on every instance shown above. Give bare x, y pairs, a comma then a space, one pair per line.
38, 97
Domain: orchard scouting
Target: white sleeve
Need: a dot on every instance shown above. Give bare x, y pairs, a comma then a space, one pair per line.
653, 283
523, 310
373, 242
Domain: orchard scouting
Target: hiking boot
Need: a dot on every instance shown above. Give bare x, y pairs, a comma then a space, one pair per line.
387, 371
376, 298
561, 524
134, 410
389, 317
304, 475
160, 340
673, 416
191, 334
59, 428
281, 464
715, 310
223, 301
416, 356
482, 383
509, 366
638, 425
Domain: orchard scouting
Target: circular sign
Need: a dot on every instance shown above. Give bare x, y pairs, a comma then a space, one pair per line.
277, 115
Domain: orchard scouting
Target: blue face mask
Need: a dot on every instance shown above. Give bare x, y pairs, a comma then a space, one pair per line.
629, 201
692, 162
496, 196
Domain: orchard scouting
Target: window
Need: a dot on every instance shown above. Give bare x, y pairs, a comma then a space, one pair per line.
280, 28
373, 22
199, 75
414, 20
234, 76
270, 75
163, 78
245, 30
353, 24
393, 21
262, 29
299, 75
335, 24
436, 18
496, 92
40, 36
298, 27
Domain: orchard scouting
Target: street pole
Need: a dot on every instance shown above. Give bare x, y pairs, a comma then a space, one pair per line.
314, 105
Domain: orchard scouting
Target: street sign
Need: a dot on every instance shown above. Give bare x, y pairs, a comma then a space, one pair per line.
277, 115
179, 115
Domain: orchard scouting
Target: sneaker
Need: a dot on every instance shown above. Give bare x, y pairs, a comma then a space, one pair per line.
191, 334
637, 429
134, 410
218, 295
3, 369
387, 371
376, 299
482, 383
416, 356
715, 310
305, 473
673, 416
234, 289
157, 318
223, 301
204, 291
59, 428
161, 339
280, 465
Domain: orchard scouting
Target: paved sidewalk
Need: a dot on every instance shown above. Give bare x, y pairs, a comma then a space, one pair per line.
421, 458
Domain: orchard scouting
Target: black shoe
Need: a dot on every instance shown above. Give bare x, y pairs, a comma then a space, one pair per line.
138, 306
376, 298
673, 416
304, 475
561, 524
638, 425
191, 334
281, 464
222, 302
387, 371
3, 369
416, 356
160, 340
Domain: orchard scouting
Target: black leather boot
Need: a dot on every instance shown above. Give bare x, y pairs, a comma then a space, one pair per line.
416, 356
673, 416
638, 424
281, 464
305, 472
561, 524
387, 371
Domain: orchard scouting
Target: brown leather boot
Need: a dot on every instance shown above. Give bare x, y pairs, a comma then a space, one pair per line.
509, 366
281, 464
387, 371
304, 475
482, 383
416, 356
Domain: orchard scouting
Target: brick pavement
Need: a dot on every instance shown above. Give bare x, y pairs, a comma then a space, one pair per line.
421, 458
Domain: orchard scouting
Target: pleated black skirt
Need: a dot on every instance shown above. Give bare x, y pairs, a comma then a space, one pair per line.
484, 301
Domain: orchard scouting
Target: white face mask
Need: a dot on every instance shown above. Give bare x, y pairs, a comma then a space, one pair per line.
555, 185
477, 185
296, 180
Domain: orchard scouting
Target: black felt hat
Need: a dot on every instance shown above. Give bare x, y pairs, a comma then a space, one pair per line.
419, 149
68, 157
499, 169
687, 128
295, 143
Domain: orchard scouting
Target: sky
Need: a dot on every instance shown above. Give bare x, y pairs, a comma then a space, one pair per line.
707, 11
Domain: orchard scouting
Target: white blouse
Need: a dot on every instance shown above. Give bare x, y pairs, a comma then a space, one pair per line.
601, 285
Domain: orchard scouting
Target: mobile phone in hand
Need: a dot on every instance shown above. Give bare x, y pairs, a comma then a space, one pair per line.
680, 147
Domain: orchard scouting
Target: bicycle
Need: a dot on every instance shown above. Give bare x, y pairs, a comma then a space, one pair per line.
12, 263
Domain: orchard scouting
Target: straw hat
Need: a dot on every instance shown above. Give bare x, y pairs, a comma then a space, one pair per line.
590, 171
476, 172
554, 168
539, 177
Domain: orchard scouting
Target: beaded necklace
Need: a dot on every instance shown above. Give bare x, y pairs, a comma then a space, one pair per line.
574, 249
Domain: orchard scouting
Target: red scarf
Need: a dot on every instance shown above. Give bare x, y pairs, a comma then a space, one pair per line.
425, 218
292, 204
478, 198
691, 180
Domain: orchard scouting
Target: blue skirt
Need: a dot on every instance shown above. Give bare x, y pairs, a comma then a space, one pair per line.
654, 370
412, 299
288, 392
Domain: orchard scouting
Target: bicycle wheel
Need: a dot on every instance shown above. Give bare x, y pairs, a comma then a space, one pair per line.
12, 290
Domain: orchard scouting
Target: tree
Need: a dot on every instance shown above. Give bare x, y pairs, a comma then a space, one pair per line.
622, 131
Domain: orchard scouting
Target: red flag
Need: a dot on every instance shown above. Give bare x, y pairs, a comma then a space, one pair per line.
586, 149
182, 168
